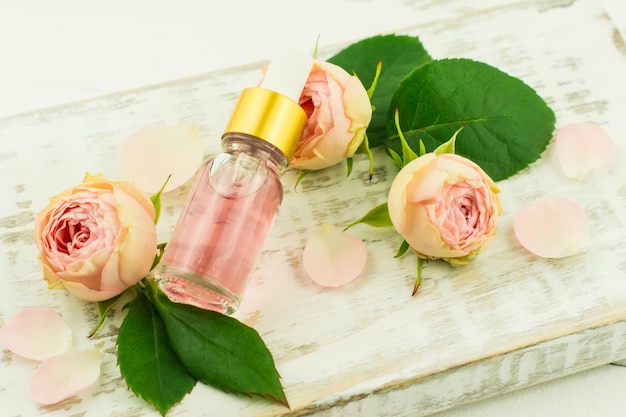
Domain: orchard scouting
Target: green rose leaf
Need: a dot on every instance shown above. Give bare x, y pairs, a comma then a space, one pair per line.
506, 125
219, 350
146, 358
399, 56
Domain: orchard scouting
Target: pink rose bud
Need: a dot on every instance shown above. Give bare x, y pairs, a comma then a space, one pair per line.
97, 238
338, 110
444, 206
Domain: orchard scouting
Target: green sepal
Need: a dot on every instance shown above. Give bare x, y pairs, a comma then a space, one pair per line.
397, 159
446, 147
157, 258
349, 164
404, 246
103, 309
422, 147
364, 147
156, 200
372, 88
377, 217
301, 175
408, 154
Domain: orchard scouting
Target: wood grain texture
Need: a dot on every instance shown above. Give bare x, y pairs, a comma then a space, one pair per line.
505, 321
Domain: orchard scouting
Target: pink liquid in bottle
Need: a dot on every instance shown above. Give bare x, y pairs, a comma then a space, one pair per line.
221, 232
234, 202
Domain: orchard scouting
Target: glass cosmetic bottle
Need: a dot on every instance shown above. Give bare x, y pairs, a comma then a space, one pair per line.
234, 202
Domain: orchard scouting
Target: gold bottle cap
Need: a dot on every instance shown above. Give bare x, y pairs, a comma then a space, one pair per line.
270, 116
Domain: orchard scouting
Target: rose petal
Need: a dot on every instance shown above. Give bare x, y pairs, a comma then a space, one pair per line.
552, 227
583, 147
62, 376
79, 290
333, 258
36, 333
149, 155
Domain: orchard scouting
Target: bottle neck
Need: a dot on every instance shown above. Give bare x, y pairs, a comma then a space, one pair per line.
233, 142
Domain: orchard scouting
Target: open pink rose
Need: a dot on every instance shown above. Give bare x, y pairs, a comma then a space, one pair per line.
97, 238
338, 110
444, 206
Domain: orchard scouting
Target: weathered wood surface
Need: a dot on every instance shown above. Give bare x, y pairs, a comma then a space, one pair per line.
505, 321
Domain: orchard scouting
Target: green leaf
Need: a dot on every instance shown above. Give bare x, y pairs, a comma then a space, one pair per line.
146, 358
377, 217
219, 350
103, 309
506, 124
399, 56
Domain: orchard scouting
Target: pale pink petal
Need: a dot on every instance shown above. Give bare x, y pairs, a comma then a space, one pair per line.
552, 227
62, 376
36, 333
583, 147
79, 290
333, 258
149, 155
